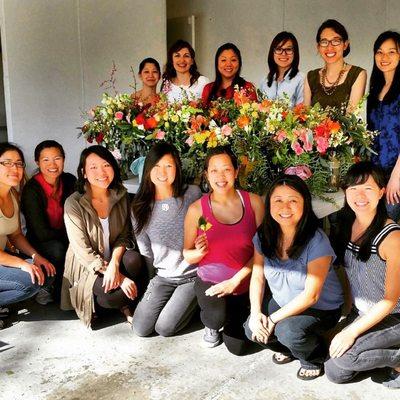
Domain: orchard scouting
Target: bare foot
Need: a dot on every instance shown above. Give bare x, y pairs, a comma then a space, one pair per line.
128, 314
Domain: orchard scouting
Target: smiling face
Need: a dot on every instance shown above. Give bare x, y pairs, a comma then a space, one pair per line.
11, 175
51, 164
164, 171
387, 56
221, 173
98, 171
287, 206
149, 75
364, 198
331, 53
228, 64
182, 60
284, 60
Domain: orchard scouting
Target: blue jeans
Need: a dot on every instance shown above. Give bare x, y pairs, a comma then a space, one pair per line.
300, 335
376, 348
15, 285
393, 211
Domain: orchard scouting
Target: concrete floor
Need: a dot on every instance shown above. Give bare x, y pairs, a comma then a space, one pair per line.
48, 354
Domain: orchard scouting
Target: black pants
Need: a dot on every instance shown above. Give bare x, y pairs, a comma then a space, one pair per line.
228, 312
132, 267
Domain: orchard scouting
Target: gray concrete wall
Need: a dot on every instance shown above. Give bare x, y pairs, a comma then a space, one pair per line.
252, 24
57, 52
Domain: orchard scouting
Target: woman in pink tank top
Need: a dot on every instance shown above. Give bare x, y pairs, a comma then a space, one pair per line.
219, 229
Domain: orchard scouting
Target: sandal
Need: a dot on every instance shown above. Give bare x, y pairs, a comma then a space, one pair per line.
308, 374
280, 358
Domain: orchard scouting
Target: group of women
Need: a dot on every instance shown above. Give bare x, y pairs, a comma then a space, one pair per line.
260, 271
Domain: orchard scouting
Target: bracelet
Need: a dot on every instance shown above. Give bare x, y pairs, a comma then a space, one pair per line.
274, 323
33, 257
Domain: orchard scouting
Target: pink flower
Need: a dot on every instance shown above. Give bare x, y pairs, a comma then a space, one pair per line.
226, 130
189, 140
322, 144
119, 115
296, 146
92, 113
281, 136
117, 154
307, 140
302, 171
160, 134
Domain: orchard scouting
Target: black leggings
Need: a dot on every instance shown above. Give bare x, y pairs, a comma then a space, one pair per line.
132, 266
229, 312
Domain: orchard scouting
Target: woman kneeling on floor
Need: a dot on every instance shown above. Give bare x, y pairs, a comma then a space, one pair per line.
371, 248
294, 258
99, 269
218, 235
158, 212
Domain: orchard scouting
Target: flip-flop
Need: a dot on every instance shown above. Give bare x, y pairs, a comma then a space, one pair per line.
302, 373
284, 359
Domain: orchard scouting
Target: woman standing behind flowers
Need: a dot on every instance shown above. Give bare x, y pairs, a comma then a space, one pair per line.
383, 114
181, 78
100, 270
228, 64
42, 204
149, 74
294, 258
284, 77
20, 279
337, 84
218, 236
370, 246
158, 212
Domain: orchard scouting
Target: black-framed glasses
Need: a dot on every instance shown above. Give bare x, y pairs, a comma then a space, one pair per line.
334, 42
287, 50
10, 164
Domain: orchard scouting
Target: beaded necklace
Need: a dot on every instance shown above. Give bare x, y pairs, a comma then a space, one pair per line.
329, 90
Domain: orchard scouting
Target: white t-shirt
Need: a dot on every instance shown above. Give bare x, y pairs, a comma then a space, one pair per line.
106, 238
177, 93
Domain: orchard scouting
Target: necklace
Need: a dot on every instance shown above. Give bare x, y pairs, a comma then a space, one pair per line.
329, 90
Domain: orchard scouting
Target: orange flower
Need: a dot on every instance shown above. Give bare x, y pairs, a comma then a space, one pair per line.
265, 105
239, 97
243, 121
300, 112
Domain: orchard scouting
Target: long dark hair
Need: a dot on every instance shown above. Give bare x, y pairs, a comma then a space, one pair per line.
282, 37
106, 155
7, 146
377, 78
270, 233
238, 80
143, 201
170, 72
338, 28
357, 175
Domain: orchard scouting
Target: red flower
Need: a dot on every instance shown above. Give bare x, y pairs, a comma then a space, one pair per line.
140, 119
99, 137
150, 123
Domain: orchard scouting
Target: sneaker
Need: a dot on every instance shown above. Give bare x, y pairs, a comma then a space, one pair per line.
44, 297
211, 338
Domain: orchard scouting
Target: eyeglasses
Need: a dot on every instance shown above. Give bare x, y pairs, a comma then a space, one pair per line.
333, 42
287, 50
10, 164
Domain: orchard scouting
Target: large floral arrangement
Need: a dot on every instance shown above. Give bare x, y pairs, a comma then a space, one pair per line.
268, 137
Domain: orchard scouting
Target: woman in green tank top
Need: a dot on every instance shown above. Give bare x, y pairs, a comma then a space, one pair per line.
337, 84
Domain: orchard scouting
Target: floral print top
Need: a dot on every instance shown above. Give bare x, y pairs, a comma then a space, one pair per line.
385, 118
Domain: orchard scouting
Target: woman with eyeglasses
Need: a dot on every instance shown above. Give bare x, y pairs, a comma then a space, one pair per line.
20, 278
42, 203
337, 84
383, 114
284, 78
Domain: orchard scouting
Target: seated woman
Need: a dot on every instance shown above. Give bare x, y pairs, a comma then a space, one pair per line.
337, 84
294, 258
20, 278
99, 268
181, 79
371, 248
149, 74
224, 251
228, 64
158, 212
42, 203
284, 77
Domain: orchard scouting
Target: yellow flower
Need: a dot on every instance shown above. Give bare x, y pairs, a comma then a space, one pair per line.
254, 114
212, 141
175, 118
166, 124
